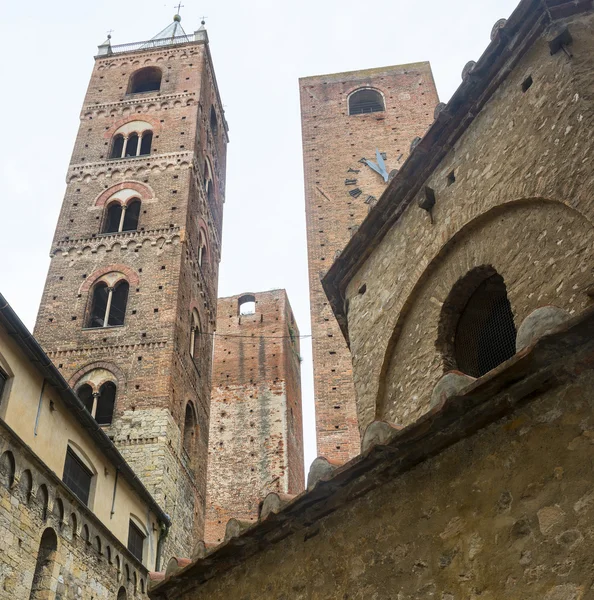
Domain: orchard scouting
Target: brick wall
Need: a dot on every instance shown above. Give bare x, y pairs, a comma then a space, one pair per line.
333, 144
150, 354
256, 439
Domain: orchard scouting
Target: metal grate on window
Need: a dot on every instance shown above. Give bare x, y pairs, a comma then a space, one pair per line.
365, 101
486, 333
135, 541
3, 380
77, 477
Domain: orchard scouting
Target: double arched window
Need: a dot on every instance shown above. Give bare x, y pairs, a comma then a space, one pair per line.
132, 139
100, 401
122, 216
144, 80
366, 100
108, 303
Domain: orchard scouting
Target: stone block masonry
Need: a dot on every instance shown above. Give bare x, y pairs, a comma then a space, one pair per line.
339, 190
256, 439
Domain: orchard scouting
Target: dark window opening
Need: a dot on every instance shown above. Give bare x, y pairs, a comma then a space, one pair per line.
145, 80
98, 305
214, 124
7, 469
105, 403
189, 429
131, 216
117, 147
119, 300
135, 541
77, 477
486, 333
247, 304
527, 83
3, 380
132, 145
365, 101
145, 145
113, 218
85, 395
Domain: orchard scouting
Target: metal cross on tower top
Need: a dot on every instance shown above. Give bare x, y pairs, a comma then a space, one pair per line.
178, 7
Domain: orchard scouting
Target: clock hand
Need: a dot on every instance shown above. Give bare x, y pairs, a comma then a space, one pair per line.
382, 164
373, 166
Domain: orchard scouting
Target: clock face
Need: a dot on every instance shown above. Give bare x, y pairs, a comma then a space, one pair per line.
358, 176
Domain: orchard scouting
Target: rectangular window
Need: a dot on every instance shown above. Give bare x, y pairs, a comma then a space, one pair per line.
77, 477
135, 541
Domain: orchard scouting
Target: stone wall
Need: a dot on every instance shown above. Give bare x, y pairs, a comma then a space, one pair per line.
333, 144
256, 439
489, 496
89, 562
514, 194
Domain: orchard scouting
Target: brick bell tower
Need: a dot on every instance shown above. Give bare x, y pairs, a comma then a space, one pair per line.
357, 129
129, 304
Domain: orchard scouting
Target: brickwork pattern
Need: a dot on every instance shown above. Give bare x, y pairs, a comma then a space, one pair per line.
89, 562
169, 276
333, 144
256, 439
520, 203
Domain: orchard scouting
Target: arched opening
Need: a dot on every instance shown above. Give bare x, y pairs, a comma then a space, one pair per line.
364, 101
113, 218
86, 535
26, 485
85, 395
189, 429
145, 144
117, 147
201, 246
44, 566
246, 305
145, 80
195, 336
132, 215
477, 330
214, 123
122, 593
108, 305
59, 510
132, 145
7, 469
105, 403
73, 524
42, 498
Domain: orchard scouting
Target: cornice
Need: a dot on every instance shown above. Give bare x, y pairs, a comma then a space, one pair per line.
138, 100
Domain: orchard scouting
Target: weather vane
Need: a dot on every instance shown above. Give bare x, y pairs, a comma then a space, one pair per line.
203, 20
179, 7
109, 34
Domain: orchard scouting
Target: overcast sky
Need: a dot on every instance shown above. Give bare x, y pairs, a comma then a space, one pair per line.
260, 49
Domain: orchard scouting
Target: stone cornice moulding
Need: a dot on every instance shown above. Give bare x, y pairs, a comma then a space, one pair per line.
157, 100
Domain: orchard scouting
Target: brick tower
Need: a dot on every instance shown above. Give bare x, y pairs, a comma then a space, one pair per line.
130, 298
256, 439
357, 129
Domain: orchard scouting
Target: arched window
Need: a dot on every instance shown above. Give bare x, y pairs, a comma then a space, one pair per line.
145, 80
122, 593
108, 305
117, 147
208, 182
59, 510
85, 395
26, 485
131, 216
195, 336
44, 566
189, 429
246, 305
201, 246
7, 469
147, 140
214, 123
486, 333
42, 497
105, 403
132, 145
113, 218
364, 101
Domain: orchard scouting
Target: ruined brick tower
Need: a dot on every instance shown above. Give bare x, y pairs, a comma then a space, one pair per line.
357, 129
256, 439
130, 299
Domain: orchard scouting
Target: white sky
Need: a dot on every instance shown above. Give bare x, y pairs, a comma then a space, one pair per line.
260, 49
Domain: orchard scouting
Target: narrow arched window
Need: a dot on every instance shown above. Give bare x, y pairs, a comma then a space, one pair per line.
201, 247
195, 336
485, 333
105, 403
44, 565
113, 218
132, 145
7, 469
189, 429
364, 101
85, 395
214, 123
42, 497
145, 80
132, 214
122, 594
246, 305
145, 145
117, 147
108, 305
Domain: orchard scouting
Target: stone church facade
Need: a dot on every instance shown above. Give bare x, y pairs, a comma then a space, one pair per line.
466, 298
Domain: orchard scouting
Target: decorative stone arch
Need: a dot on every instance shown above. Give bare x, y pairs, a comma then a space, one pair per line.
130, 275
468, 235
153, 121
118, 374
143, 191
